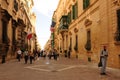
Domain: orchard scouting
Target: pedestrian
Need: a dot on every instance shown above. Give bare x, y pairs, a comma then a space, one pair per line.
44, 54
55, 54
69, 54
19, 53
26, 56
3, 55
35, 52
50, 54
31, 57
103, 55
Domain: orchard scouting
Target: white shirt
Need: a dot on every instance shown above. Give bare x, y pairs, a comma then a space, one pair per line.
19, 52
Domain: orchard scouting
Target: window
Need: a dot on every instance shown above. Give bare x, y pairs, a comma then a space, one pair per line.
75, 11
118, 20
88, 34
76, 44
86, 3
117, 33
69, 17
15, 5
88, 43
70, 47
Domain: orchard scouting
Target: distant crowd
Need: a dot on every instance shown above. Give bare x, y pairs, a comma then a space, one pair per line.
34, 55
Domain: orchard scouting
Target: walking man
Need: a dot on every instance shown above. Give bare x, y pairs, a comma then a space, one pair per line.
26, 56
103, 55
69, 54
3, 55
19, 53
31, 56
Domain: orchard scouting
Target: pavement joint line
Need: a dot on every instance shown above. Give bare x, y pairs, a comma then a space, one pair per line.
66, 68
34, 66
39, 69
53, 70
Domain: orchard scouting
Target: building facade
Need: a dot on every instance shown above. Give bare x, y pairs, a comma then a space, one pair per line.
16, 20
85, 26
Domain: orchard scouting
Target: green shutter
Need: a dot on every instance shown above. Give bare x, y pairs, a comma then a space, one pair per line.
76, 10
86, 3
69, 17
73, 12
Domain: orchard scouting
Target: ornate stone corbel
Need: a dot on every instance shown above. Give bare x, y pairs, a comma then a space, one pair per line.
70, 33
116, 2
87, 22
75, 30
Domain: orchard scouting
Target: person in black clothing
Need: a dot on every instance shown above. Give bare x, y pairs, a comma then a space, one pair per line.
31, 57
3, 55
26, 56
69, 54
55, 54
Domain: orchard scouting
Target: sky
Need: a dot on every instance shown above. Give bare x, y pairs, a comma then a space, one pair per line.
44, 11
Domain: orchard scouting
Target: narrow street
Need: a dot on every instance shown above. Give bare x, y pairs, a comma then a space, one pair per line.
62, 69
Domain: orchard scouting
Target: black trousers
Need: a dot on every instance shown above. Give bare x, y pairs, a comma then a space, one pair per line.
26, 59
31, 58
3, 59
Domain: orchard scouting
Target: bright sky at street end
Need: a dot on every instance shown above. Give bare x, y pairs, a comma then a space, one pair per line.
44, 11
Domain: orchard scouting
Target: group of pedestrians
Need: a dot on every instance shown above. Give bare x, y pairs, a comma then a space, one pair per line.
29, 55
53, 53
26, 54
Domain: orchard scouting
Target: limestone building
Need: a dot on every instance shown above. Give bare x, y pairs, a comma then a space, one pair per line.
16, 20
85, 26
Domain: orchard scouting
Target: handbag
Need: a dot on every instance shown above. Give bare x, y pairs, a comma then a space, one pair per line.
100, 63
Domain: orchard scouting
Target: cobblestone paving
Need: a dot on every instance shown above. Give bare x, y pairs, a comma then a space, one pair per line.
62, 69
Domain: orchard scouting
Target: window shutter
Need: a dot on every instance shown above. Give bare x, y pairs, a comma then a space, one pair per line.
76, 10
73, 12
69, 17
118, 20
86, 3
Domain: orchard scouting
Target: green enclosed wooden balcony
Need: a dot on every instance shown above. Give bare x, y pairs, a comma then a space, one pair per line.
63, 24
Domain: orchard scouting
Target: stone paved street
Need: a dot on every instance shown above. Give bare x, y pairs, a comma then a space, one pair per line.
62, 69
